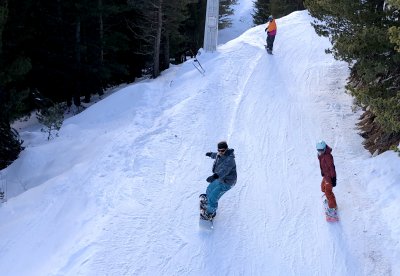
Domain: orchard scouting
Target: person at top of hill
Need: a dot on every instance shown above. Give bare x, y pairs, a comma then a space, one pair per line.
271, 33
223, 179
328, 172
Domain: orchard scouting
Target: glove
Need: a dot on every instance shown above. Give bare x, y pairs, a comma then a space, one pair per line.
212, 178
334, 181
208, 154
265, 29
322, 174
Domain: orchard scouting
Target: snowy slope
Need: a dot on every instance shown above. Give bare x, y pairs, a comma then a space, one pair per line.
117, 192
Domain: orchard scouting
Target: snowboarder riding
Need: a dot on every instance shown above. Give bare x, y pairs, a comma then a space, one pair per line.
223, 179
271, 32
328, 173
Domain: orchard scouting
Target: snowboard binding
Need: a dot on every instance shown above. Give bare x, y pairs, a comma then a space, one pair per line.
203, 209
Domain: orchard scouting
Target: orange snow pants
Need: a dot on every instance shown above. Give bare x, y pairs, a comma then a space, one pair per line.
326, 187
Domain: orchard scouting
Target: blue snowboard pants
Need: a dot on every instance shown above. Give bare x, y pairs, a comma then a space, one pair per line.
215, 190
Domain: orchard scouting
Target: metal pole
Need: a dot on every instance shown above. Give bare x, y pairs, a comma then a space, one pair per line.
211, 27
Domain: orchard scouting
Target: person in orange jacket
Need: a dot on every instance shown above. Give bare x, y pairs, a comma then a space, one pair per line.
271, 33
328, 172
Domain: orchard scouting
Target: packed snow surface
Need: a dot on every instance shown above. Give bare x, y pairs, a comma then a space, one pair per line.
117, 192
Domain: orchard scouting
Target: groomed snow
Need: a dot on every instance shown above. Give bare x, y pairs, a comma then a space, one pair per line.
117, 192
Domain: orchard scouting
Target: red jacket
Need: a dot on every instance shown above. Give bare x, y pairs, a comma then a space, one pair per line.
326, 164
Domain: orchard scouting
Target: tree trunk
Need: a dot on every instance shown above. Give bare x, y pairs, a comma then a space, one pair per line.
166, 53
300, 5
77, 99
157, 43
101, 31
3, 20
101, 46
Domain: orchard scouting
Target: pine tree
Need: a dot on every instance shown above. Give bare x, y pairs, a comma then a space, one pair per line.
172, 36
261, 11
225, 10
276, 8
159, 24
193, 28
394, 32
10, 145
281, 8
52, 119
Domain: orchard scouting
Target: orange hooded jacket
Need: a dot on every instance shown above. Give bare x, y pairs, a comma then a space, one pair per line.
271, 26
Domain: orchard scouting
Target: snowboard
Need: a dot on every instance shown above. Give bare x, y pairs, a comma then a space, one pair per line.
206, 224
331, 216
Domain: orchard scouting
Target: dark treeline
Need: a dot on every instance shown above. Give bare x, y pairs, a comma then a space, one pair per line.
277, 8
366, 35
66, 51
